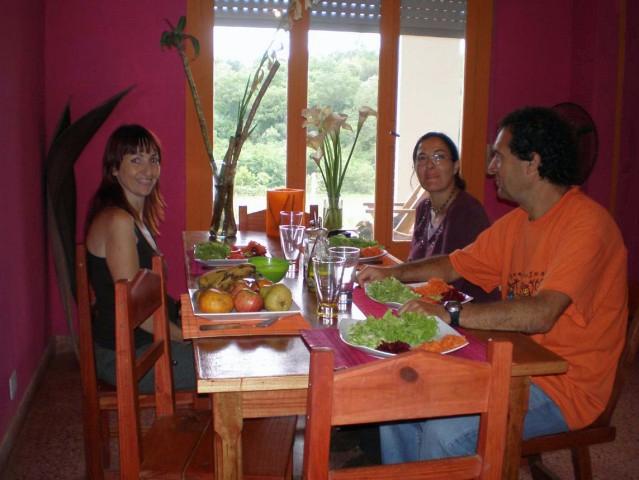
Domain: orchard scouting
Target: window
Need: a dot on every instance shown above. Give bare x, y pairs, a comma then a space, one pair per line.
477, 61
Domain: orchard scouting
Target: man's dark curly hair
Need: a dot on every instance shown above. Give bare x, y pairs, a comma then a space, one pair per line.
541, 130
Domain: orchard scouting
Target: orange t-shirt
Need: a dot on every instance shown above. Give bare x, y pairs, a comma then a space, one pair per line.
574, 248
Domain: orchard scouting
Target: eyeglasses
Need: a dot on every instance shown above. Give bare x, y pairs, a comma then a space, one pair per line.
435, 158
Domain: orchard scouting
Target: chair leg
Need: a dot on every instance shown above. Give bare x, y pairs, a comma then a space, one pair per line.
105, 437
538, 470
581, 463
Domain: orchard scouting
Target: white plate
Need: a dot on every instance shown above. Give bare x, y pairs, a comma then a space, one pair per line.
221, 262
467, 298
238, 316
444, 329
373, 258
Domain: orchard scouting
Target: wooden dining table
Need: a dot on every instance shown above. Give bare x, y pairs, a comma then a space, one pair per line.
267, 376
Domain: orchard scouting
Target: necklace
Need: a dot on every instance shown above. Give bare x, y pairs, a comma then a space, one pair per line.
439, 210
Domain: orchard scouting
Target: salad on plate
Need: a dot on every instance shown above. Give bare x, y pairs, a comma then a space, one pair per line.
394, 293
218, 253
392, 334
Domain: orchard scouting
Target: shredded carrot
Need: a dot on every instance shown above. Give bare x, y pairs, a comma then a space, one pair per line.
434, 288
370, 251
447, 342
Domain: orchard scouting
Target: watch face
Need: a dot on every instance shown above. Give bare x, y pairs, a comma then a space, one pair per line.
452, 306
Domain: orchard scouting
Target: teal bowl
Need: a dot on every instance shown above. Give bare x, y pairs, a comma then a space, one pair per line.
271, 268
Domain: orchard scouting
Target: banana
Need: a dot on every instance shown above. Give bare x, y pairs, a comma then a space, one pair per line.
224, 278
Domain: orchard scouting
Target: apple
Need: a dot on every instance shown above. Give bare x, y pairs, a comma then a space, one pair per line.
246, 300
213, 300
238, 286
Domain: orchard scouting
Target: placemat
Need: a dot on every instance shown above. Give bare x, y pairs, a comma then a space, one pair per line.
475, 350
194, 326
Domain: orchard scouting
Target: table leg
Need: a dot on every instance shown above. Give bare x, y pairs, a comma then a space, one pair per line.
227, 435
517, 408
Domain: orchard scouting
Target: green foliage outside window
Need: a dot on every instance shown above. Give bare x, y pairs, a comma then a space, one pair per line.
343, 80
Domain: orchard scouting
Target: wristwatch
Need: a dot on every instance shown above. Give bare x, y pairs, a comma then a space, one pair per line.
454, 308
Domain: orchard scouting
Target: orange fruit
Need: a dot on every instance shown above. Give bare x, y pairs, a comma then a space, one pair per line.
215, 301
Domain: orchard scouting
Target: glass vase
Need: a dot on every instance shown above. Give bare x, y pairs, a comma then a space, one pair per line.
333, 213
223, 223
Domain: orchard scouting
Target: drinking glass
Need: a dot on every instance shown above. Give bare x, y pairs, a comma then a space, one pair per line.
351, 258
291, 237
328, 271
291, 218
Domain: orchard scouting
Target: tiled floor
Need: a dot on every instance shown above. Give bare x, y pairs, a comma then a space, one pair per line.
50, 445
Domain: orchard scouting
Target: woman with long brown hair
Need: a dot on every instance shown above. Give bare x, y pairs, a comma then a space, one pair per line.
121, 226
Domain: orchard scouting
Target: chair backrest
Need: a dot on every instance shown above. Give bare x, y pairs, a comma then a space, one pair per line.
623, 369
90, 405
413, 385
136, 300
256, 221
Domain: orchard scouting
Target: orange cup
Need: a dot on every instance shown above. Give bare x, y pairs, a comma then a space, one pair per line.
278, 199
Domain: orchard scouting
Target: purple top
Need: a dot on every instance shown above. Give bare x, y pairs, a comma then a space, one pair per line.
464, 221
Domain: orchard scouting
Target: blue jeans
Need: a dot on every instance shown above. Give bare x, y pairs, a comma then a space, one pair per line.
183, 367
457, 436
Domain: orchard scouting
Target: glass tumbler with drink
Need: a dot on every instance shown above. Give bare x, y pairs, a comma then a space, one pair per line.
328, 271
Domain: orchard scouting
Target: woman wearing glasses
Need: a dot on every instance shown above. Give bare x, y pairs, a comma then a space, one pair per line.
450, 218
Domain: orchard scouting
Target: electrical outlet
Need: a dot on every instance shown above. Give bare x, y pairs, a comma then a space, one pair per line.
13, 385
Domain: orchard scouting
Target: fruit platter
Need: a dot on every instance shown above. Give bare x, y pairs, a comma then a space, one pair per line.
394, 293
369, 250
392, 334
214, 254
237, 292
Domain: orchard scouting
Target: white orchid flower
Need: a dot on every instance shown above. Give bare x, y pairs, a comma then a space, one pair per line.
364, 113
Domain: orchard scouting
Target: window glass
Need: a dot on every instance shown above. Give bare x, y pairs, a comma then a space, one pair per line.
343, 75
262, 162
429, 98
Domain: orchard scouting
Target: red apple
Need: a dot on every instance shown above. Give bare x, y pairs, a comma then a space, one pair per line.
246, 300
238, 286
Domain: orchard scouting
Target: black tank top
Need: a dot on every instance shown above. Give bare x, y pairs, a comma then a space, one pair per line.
103, 287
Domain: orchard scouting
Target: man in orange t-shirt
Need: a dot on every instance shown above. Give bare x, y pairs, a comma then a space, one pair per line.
560, 262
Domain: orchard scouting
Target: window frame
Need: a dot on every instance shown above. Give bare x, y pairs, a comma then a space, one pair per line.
200, 14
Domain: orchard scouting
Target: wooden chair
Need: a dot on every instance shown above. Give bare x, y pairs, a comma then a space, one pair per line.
600, 431
256, 221
403, 214
99, 398
179, 443
174, 436
410, 386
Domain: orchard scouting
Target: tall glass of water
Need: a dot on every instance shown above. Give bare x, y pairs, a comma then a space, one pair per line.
351, 258
291, 238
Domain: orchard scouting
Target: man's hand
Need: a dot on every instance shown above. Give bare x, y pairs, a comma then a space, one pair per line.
370, 274
427, 308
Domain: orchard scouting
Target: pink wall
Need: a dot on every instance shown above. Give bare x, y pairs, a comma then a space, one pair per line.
92, 53
530, 65
24, 321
